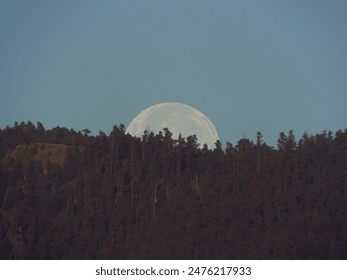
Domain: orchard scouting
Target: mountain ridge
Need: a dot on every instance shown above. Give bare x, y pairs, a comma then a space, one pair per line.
67, 195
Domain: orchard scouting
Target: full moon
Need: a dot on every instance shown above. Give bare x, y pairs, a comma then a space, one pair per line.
178, 118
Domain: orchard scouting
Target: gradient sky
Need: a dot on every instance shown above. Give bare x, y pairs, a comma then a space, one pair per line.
250, 66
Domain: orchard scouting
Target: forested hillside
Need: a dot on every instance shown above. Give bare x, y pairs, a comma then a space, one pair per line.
67, 195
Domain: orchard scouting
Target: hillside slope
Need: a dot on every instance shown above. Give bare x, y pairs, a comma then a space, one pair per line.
64, 195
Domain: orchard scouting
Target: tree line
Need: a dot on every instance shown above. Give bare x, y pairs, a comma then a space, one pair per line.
69, 195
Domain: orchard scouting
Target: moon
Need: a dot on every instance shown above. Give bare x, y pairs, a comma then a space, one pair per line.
178, 118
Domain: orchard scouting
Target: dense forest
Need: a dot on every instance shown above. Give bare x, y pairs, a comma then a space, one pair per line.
70, 195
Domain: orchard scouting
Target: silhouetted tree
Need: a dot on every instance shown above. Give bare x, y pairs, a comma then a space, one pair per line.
65, 195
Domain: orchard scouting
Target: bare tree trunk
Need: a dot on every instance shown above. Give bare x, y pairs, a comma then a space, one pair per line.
258, 163
155, 200
238, 163
132, 192
167, 195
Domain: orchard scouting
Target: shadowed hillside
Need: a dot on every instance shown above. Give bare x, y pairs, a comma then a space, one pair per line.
67, 195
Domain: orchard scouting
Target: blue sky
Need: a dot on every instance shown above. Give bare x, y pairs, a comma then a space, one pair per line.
250, 66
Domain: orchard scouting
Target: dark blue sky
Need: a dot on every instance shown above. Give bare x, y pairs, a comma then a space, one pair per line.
250, 66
